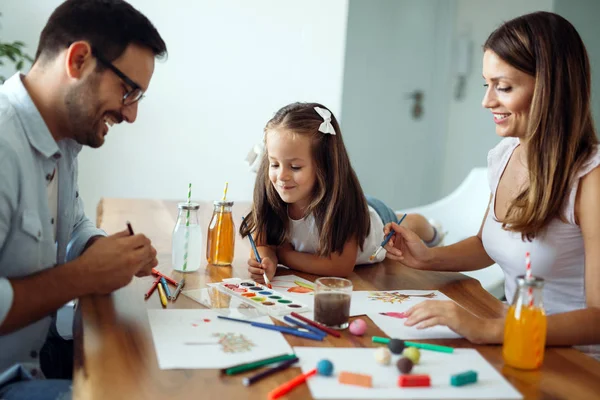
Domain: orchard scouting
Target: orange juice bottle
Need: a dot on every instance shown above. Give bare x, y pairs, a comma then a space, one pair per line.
221, 235
525, 326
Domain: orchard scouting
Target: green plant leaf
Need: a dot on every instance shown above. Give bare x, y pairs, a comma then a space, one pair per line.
19, 65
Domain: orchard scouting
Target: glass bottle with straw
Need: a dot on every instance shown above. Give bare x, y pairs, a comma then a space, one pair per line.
525, 325
187, 237
221, 233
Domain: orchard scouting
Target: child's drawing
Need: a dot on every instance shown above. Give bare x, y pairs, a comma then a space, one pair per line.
234, 342
396, 297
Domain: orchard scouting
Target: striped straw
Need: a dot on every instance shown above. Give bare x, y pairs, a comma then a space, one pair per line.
528, 276
187, 228
220, 221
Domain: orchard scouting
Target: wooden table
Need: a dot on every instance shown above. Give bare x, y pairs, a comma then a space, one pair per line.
114, 351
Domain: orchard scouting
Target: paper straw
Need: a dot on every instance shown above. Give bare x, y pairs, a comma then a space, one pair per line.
187, 228
220, 221
528, 276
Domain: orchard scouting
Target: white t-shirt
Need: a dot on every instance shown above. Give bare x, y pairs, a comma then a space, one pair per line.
304, 236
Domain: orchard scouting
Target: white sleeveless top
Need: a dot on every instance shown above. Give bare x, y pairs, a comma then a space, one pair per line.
557, 255
304, 236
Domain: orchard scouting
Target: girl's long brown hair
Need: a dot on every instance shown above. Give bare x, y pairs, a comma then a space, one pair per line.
338, 203
561, 135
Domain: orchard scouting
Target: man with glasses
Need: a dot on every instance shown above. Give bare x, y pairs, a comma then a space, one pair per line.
94, 62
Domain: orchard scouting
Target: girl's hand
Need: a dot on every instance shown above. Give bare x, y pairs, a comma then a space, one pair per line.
256, 269
448, 313
407, 247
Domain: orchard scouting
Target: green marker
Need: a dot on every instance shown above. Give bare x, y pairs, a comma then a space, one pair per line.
257, 364
424, 346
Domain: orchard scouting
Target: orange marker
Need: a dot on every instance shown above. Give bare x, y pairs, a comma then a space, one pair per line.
286, 387
168, 278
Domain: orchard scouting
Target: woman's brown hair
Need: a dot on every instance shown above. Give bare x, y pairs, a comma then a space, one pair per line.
561, 135
338, 203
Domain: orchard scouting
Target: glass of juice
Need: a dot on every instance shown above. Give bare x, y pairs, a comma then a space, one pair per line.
332, 302
221, 235
525, 326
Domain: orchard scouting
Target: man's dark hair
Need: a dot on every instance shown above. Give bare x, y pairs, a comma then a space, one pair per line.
108, 25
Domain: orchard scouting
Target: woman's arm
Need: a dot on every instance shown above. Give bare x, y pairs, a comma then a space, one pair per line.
561, 327
578, 327
466, 255
336, 265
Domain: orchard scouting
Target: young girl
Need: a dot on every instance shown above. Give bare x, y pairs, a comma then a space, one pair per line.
309, 210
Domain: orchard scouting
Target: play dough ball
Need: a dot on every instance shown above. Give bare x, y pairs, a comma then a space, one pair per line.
383, 356
405, 365
396, 346
358, 327
325, 368
413, 353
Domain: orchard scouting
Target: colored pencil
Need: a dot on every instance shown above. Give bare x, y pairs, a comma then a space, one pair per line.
167, 278
257, 364
162, 295
286, 387
151, 290
316, 325
130, 228
166, 287
178, 289
269, 371
305, 326
282, 329
424, 346
386, 240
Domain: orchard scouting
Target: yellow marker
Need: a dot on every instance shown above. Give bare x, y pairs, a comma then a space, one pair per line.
162, 295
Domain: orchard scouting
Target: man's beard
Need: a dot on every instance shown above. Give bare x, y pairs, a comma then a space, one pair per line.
83, 113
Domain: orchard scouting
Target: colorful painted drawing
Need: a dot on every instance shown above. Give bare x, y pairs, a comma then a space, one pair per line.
396, 297
294, 287
234, 342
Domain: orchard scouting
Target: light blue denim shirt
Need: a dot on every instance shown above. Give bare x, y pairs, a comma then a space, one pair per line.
28, 156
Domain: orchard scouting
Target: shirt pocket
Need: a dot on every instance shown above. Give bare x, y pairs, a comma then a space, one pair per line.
32, 225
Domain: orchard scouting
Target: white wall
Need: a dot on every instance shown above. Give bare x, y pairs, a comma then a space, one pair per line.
393, 48
231, 65
471, 132
585, 15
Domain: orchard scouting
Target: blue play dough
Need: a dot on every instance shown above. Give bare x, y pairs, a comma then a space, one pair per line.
325, 368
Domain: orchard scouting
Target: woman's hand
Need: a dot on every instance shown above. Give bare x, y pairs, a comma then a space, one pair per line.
448, 313
256, 269
407, 247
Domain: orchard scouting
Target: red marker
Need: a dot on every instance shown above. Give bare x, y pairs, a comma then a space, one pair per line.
152, 288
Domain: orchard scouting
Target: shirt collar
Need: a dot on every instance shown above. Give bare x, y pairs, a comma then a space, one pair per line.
36, 130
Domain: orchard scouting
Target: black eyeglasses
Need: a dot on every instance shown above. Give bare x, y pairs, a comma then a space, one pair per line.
135, 94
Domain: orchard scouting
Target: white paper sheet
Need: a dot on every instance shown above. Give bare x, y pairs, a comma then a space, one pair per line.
440, 366
368, 302
394, 328
186, 339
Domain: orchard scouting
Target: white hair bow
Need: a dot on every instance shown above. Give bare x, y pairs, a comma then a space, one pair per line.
326, 126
